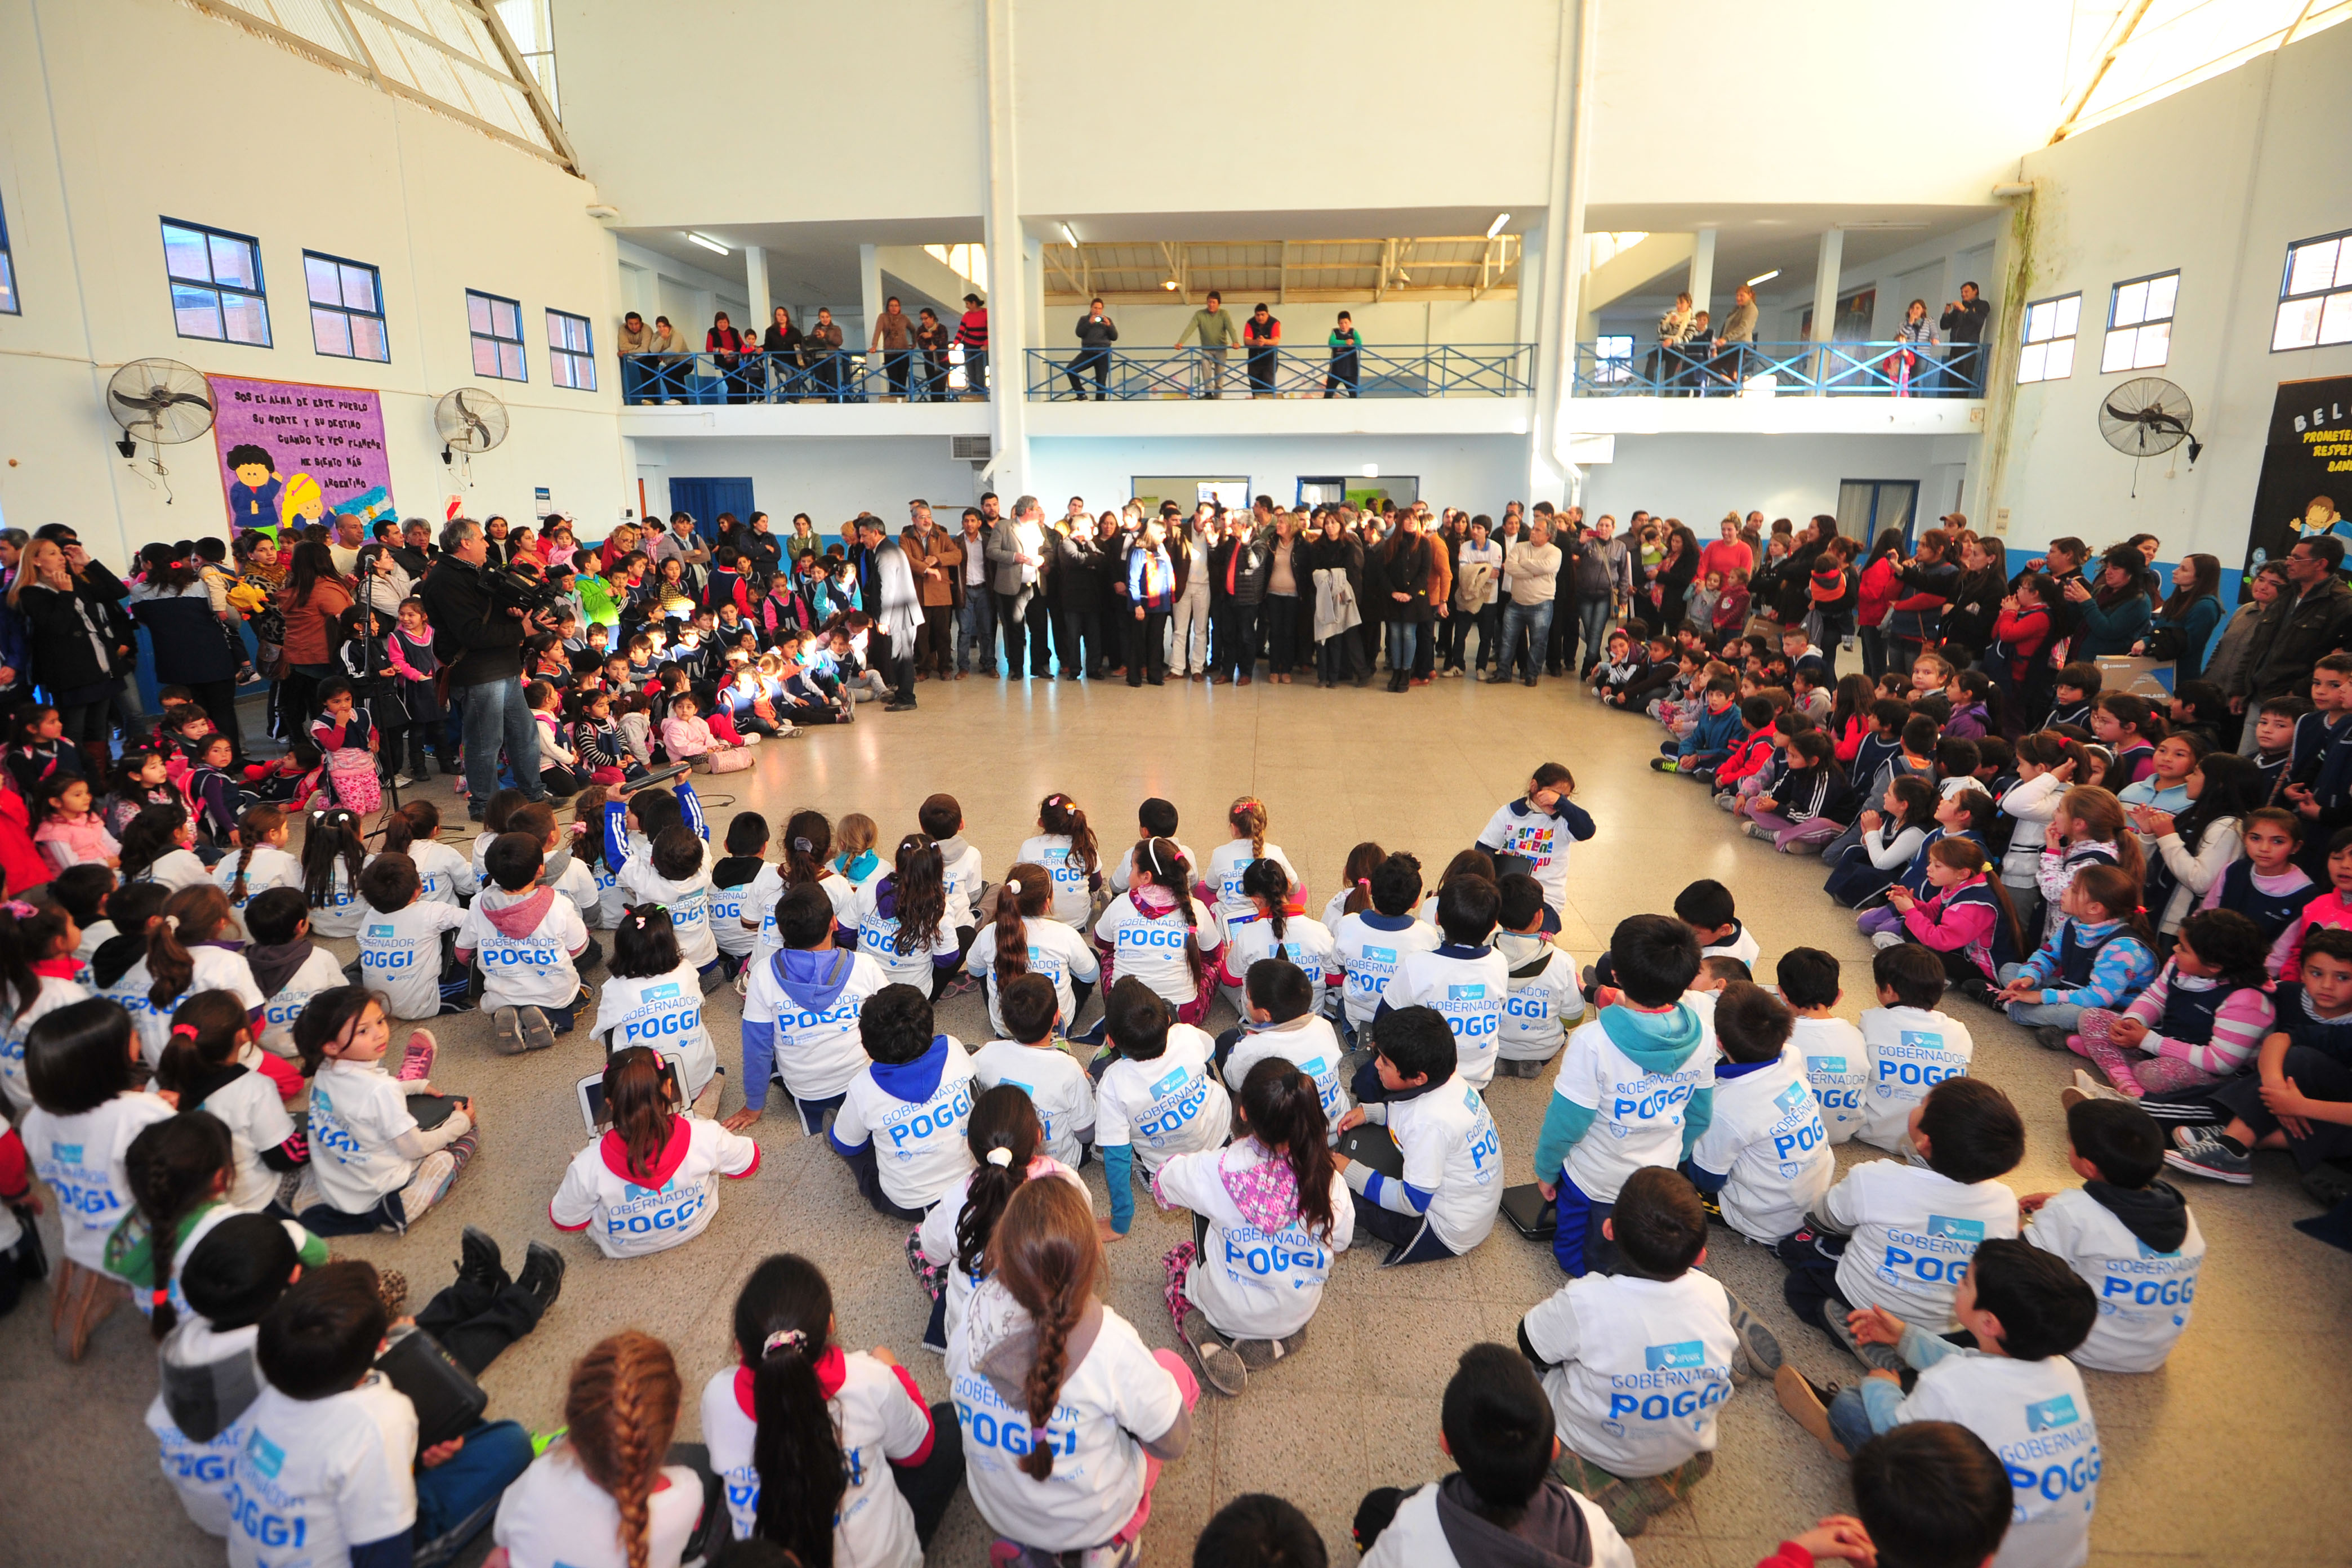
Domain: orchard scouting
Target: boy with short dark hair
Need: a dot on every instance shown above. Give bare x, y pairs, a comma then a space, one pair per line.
407, 950
1282, 1022
1033, 1062
1896, 1234
1635, 1363
2275, 726
1765, 1156
2026, 1309
1909, 1046
1544, 995
2131, 1235
1836, 1057
902, 1119
1502, 1505
675, 872
1465, 981
526, 938
1443, 1201
801, 1012
1635, 1087
1714, 731
1706, 907
2075, 694
1259, 1530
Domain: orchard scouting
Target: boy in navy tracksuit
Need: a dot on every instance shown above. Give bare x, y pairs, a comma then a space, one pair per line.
1712, 734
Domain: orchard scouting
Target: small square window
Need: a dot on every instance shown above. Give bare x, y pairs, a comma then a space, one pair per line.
497, 327
346, 308
2315, 296
571, 352
216, 282
2140, 324
2047, 353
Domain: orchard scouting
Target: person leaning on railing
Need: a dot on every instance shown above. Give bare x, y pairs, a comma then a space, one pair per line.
1096, 333
1347, 349
1215, 331
635, 339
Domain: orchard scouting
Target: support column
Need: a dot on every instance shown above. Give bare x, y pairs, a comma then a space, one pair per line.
755, 279
1825, 285
1548, 476
1008, 305
869, 294
1702, 272
1032, 291
1531, 272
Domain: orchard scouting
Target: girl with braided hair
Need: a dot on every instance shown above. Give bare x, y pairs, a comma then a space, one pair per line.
799, 1430
1023, 939
1247, 847
1066, 1418
1160, 933
1008, 1147
603, 1497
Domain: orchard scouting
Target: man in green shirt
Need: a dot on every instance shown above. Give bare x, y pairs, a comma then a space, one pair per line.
1215, 329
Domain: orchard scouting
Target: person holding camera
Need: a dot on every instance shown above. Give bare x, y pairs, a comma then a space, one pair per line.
479, 628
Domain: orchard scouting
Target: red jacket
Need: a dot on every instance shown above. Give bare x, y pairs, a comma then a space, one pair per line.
19, 861
2023, 633
1878, 585
1747, 757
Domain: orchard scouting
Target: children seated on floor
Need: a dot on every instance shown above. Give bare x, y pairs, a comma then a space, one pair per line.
1465, 981
1007, 1140
2098, 954
1279, 1020
1446, 1188
1836, 1057
1765, 1155
801, 1014
1910, 1046
212, 1064
525, 937
36, 977
1372, 944
654, 998
373, 1165
1544, 997
902, 1119
1031, 1058
1157, 1094
1635, 1087
2299, 1096
1271, 929
650, 1182
2200, 1021
1024, 939
408, 943
2130, 1234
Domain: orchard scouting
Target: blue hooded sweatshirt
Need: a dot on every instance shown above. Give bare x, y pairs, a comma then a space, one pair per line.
1658, 1042
812, 978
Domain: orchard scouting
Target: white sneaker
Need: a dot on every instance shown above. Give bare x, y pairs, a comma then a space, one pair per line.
402, 781
753, 739
1883, 940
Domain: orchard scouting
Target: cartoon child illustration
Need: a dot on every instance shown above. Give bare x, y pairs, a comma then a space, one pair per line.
301, 504
253, 497
2319, 517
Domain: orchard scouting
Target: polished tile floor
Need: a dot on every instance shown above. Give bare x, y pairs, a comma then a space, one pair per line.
2228, 1456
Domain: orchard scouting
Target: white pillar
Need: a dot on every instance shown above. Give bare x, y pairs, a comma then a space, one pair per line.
1032, 291
869, 294
1007, 296
1825, 285
1702, 271
1531, 263
1547, 477
755, 278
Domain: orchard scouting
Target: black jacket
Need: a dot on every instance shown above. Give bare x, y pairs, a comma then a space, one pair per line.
1249, 576
74, 636
1402, 564
1098, 332
472, 637
2296, 634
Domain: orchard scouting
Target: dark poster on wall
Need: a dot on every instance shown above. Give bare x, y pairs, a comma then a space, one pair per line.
2306, 479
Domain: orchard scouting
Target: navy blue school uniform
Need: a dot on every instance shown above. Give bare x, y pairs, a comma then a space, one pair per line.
2275, 773
1871, 754
2075, 713
2127, 768
2273, 912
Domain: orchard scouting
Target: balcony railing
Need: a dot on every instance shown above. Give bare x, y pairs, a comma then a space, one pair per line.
1442, 369
708, 379
1615, 368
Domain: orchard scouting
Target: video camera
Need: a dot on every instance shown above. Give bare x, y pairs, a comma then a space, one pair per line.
512, 589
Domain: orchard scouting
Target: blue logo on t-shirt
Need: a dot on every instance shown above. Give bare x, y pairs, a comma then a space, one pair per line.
1969, 1230
1170, 1083
265, 1456
2050, 1413
1464, 993
1922, 1039
660, 994
1826, 1064
66, 1153
1676, 1357
1380, 954
1790, 1097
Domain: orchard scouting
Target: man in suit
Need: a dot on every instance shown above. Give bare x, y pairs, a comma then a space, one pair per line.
1016, 560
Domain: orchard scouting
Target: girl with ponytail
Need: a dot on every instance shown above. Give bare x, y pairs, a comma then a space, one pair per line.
1065, 847
185, 954
2100, 955
1277, 1188
806, 846
140, 779
1024, 939
1008, 1143
1227, 861
650, 1182
1067, 1410
259, 863
445, 875
902, 920
211, 1062
1964, 916
828, 1454
333, 854
156, 848
1355, 893
1267, 932
604, 1484
1157, 929
36, 978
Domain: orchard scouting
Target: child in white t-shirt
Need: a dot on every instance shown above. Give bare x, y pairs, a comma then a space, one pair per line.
1065, 846
259, 863
1538, 827
1441, 1199
732, 877
1158, 1096
525, 937
1033, 1061
1024, 939
651, 1183
1544, 995
942, 820
1269, 930
1765, 1156
1638, 1363
78, 1063
370, 1159
210, 1065
653, 998
40, 943
334, 849
1637, 1085
1836, 1057
1007, 1140
1705, 906
801, 1014
158, 846
1274, 1216
1372, 944
907, 919
1159, 933
1465, 981
2026, 1310
1898, 1235
1229, 861
1155, 818
1105, 1414
183, 955
2130, 1236
408, 943
897, 1460
568, 1508
562, 870
1910, 1046
902, 1119
448, 878
1280, 1021
806, 842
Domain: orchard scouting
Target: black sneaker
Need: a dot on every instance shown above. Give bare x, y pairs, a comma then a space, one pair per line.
479, 1259
543, 1274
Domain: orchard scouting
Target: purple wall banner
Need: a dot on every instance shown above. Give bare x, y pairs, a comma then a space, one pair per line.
291, 451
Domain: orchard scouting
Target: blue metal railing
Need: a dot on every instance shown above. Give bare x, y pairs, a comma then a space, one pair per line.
1782, 370
1442, 369
813, 377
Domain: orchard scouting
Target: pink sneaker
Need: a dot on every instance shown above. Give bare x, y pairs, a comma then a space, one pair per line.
416, 1065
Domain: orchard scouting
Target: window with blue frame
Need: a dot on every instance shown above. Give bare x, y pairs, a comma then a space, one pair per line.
571, 352
497, 327
216, 286
346, 308
7, 271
